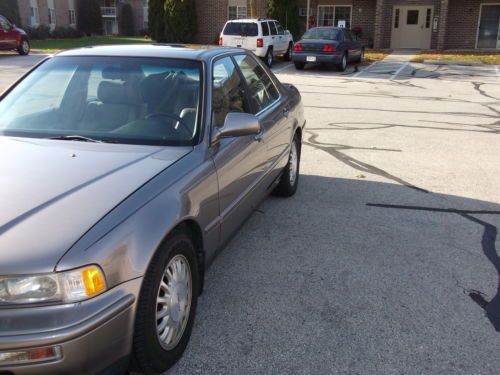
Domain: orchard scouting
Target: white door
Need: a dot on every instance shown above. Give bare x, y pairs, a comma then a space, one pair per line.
412, 27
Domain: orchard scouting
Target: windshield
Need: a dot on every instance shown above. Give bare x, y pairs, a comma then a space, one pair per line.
241, 28
110, 99
321, 33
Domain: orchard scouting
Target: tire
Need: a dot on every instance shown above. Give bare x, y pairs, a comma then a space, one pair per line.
269, 58
288, 55
362, 56
24, 48
151, 354
341, 67
289, 180
299, 65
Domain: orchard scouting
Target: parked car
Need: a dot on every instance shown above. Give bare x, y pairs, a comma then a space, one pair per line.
13, 38
328, 45
124, 169
266, 38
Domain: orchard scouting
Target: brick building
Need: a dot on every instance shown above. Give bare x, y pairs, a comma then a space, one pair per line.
64, 13
435, 24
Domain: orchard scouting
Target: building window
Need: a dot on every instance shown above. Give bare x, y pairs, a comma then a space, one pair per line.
237, 12
412, 17
35, 17
52, 13
329, 15
396, 19
428, 18
72, 17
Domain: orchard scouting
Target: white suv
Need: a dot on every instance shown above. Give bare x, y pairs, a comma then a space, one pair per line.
264, 37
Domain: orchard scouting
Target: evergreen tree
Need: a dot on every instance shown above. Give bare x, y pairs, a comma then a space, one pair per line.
89, 17
156, 20
126, 20
287, 13
9, 9
180, 21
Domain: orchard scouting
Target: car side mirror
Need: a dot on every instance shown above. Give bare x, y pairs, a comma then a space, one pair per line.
237, 124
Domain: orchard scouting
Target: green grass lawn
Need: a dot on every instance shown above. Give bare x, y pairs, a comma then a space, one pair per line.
55, 45
484, 57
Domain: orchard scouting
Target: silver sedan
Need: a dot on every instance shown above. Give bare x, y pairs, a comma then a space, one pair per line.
123, 170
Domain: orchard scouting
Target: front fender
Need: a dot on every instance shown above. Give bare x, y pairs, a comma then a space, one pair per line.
124, 242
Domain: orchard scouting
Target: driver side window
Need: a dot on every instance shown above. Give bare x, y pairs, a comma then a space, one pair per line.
227, 93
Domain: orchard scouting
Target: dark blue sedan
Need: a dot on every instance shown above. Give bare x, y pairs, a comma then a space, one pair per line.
328, 45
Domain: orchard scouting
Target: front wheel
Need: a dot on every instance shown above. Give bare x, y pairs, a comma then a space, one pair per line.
288, 55
24, 48
290, 177
166, 306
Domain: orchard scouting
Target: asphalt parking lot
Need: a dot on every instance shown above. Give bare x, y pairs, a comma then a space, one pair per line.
386, 261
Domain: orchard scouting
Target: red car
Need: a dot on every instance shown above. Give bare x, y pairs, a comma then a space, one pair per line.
13, 38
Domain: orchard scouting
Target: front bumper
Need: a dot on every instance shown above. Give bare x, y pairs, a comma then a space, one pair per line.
92, 335
321, 57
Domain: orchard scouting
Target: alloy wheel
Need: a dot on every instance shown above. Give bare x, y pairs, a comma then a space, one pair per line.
173, 303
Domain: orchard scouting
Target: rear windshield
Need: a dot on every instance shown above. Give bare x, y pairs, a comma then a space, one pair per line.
321, 33
241, 28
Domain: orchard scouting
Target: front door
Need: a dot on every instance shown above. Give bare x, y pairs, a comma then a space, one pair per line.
489, 27
7, 34
240, 161
411, 27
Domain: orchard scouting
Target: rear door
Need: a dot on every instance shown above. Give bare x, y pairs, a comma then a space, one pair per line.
274, 36
239, 161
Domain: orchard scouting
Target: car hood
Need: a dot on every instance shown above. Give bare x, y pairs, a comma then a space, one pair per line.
52, 192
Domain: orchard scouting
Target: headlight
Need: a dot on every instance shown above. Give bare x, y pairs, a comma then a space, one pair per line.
71, 286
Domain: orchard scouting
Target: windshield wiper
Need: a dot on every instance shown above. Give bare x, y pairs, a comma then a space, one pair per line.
79, 138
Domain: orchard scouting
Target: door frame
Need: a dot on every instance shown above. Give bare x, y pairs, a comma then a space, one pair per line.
479, 23
409, 6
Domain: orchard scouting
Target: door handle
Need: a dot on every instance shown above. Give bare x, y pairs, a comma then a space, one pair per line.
285, 112
259, 136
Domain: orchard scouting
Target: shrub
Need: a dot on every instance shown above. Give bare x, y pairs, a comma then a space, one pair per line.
287, 13
9, 9
39, 32
156, 20
65, 33
180, 21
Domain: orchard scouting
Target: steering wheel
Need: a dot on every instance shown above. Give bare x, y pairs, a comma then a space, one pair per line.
172, 116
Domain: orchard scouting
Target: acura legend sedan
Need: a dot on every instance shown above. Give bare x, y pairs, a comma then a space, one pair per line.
123, 169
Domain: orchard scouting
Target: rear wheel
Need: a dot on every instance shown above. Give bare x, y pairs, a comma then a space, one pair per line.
269, 58
24, 48
342, 65
290, 177
288, 55
299, 65
166, 306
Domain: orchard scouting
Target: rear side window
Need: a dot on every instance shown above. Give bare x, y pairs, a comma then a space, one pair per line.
273, 28
241, 29
4, 24
263, 92
265, 29
228, 94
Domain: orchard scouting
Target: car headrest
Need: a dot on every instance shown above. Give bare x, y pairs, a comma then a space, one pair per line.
115, 93
114, 72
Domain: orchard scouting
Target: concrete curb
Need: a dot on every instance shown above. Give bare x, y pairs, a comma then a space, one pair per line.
446, 62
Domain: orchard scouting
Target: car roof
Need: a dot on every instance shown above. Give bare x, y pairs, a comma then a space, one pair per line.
251, 20
177, 51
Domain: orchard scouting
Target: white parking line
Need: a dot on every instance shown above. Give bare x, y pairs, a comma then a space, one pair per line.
283, 68
399, 71
497, 69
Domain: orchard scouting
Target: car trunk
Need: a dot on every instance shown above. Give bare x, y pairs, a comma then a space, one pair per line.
317, 45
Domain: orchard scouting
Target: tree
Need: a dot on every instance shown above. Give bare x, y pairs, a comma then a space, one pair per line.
89, 16
156, 20
286, 12
126, 20
180, 21
9, 9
